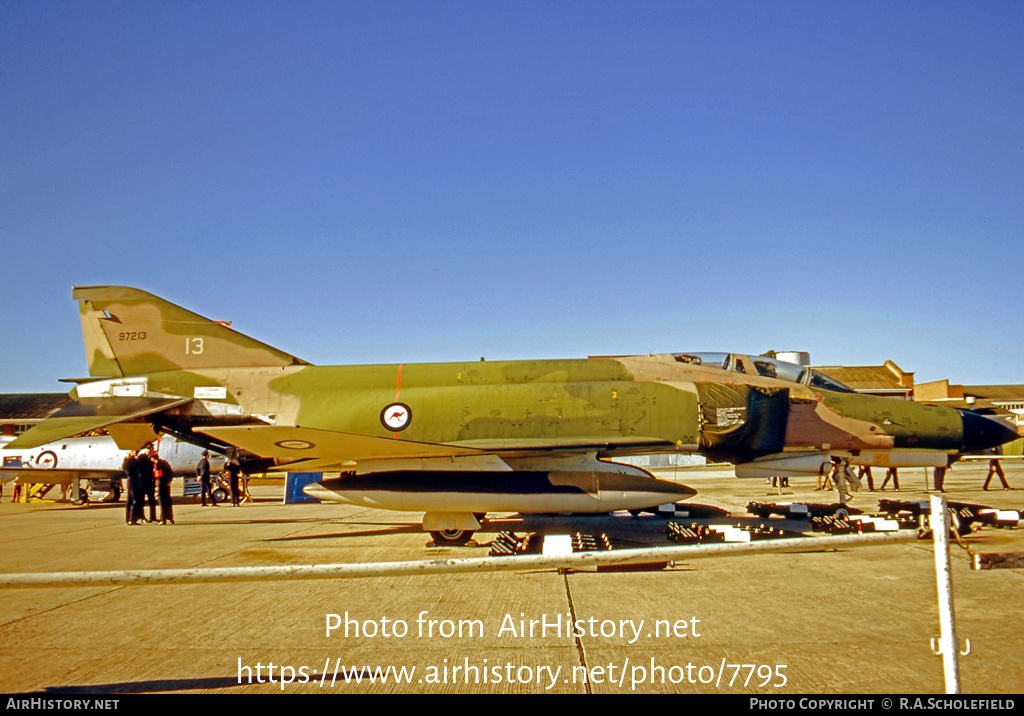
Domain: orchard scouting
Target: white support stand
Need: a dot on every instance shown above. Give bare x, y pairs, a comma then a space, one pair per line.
948, 646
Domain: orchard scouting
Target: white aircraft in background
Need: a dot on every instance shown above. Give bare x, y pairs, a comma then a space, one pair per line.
96, 459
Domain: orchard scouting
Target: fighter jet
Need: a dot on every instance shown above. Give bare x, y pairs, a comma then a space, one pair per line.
96, 459
458, 440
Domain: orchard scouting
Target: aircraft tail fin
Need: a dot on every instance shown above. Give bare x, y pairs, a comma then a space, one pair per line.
128, 331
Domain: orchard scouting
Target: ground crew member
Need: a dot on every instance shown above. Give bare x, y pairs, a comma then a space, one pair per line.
233, 470
824, 477
133, 503
203, 473
892, 474
148, 482
865, 471
994, 468
163, 473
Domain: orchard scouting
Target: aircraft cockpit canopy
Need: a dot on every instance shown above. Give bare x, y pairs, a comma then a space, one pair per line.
764, 366
820, 380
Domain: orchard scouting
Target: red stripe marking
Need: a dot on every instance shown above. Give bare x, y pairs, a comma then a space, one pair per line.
398, 388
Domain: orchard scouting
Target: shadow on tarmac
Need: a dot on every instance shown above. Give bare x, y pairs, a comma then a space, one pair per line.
146, 687
399, 530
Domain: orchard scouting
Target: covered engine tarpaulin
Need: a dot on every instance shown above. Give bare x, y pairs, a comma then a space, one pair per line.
742, 421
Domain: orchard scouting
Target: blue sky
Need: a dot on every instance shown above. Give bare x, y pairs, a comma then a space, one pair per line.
378, 182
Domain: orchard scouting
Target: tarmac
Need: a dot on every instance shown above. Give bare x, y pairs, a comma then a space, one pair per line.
820, 621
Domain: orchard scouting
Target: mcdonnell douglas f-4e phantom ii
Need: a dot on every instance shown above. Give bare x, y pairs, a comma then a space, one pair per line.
455, 440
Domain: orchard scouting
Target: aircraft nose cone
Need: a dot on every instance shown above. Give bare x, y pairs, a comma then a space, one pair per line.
983, 433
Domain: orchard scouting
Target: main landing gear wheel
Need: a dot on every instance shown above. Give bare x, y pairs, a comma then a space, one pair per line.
452, 538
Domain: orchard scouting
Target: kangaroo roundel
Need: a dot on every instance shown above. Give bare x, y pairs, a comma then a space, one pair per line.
396, 416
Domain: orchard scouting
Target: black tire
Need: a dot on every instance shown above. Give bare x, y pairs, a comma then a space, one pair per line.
220, 495
452, 538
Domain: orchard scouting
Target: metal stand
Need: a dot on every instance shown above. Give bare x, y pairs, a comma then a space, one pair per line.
947, 646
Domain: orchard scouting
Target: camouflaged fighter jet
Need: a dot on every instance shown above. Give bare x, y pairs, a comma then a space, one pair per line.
456, 440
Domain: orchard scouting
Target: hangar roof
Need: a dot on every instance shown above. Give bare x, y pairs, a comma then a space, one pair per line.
28, 407
888, 379
996, 392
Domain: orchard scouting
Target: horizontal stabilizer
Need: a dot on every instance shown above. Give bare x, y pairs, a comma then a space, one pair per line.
87, 414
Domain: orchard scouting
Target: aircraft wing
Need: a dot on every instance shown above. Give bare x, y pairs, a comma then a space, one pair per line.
53, 476
307, 448
87, 414
325, 447
573, 444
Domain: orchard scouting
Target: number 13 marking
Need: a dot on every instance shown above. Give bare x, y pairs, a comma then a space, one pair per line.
193, 346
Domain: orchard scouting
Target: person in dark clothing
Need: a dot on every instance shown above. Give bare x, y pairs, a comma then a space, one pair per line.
148, 483
865, 471
131, 474
163, 473
139, 503
891, 474
994, 468
203, 473
233, 470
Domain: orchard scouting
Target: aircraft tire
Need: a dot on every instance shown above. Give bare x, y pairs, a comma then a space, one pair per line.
221, 495
451, 538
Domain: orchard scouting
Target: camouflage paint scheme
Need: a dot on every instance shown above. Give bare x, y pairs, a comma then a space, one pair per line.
157, 367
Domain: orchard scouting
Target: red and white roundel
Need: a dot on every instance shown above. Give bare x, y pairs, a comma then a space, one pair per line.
396, 417
295, 444
47, 459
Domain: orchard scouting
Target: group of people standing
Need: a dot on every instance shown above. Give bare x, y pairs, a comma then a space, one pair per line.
233, 470
825, 478
147, 474
829, 474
